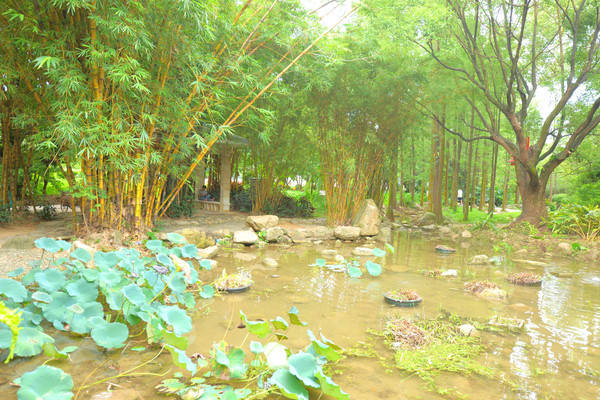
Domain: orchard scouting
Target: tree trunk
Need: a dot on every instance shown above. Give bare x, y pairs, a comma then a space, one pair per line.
533, 197
401, 186
474, 180
492, 204
455, 167
506, 179
393, 180
436, 185
412, 169
483, 192
468, 189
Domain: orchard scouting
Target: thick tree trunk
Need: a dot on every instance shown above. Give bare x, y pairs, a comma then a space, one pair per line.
468, 188
455, 165
435, 188
533, 198
393, 179
492, 203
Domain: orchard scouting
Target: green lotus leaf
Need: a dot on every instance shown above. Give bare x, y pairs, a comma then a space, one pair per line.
57, 310
290, 386
30, 342
328, 386
83, 322
304, 367
389, 248
354, 272
189, 251
52, 245
206, 264
165, 260
207, 292
279, 323
115, 300
258, 328
110, 278
16, 272
31, 316
104, 261
154, 245
82, 255
42, 297
256, 347
5, 336
83, 290
134, 294
237, 366
50, 279
176, 238
177, 318
320, 262
373, 268
29, 277
111, 335
177, 282
378, 252
45, 383
90, 275
324, 348
181, 359
293, 316
13, 289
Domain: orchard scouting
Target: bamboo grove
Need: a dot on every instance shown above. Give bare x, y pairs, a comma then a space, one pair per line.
126, 97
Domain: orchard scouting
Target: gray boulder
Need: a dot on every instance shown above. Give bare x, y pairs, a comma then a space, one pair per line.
367, 218
347, 232
261, 222
427, 219
274, 234
246, 237
208, 252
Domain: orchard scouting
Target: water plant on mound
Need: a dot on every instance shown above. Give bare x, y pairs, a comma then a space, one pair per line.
402, 297
353, 267
427, 347
525, 279
270, 368
233, 283
126, 289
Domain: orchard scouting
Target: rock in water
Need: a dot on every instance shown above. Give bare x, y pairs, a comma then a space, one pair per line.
480, 259
450, 273
246, 237
208, 252
440, 248
466, 235
261, 222
362, 251
347, 232
468, 330
428, 218
270, 262
565, 247
274, 234
367, 219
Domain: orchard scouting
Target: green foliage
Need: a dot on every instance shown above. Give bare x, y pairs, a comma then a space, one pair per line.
10, 319
5, 216
45, 383
580, 220
181, 208
48, 213
274, 368
353, 267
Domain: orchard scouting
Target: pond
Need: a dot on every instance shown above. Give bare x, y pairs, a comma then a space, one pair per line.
557, 354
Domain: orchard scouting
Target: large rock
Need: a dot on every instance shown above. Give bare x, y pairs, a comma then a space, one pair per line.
428, 218
196, 237
362, 251
246, 237
468, 330
274, 234
261, 222
298, 235
384, 235
208, 252
480, 259
565, 247
367, 219
347, 232
466, 234
270, 262
319, 232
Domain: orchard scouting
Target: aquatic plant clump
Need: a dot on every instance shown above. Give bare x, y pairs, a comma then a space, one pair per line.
402, 295
436, 273
524, 278
404, 333
479, 286
233, 281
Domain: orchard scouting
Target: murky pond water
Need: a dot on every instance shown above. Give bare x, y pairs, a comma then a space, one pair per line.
557, 356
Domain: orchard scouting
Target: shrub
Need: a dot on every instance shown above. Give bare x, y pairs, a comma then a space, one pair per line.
577, 219
183, 208
4, 214
48, 212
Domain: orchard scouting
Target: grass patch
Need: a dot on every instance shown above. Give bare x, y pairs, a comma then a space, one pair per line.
476, 216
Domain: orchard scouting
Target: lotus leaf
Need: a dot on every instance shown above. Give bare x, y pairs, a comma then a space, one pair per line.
177, 282
293, 315
189, 251
50, 279
83, 290
16, 272
52, 245
206, 264
45, 383
373, 268
279, 323
181, 359
82, 323
82, 255
289, 385
378, 252
90, 275
165, 260
134, 294
354, 272
110, 278
13, 290
104, 261
258, 328
42, 297
30, 342
176, 238
328, 386
207, 292
111, 335
320, 262
177, 318
256, 347
304, 367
